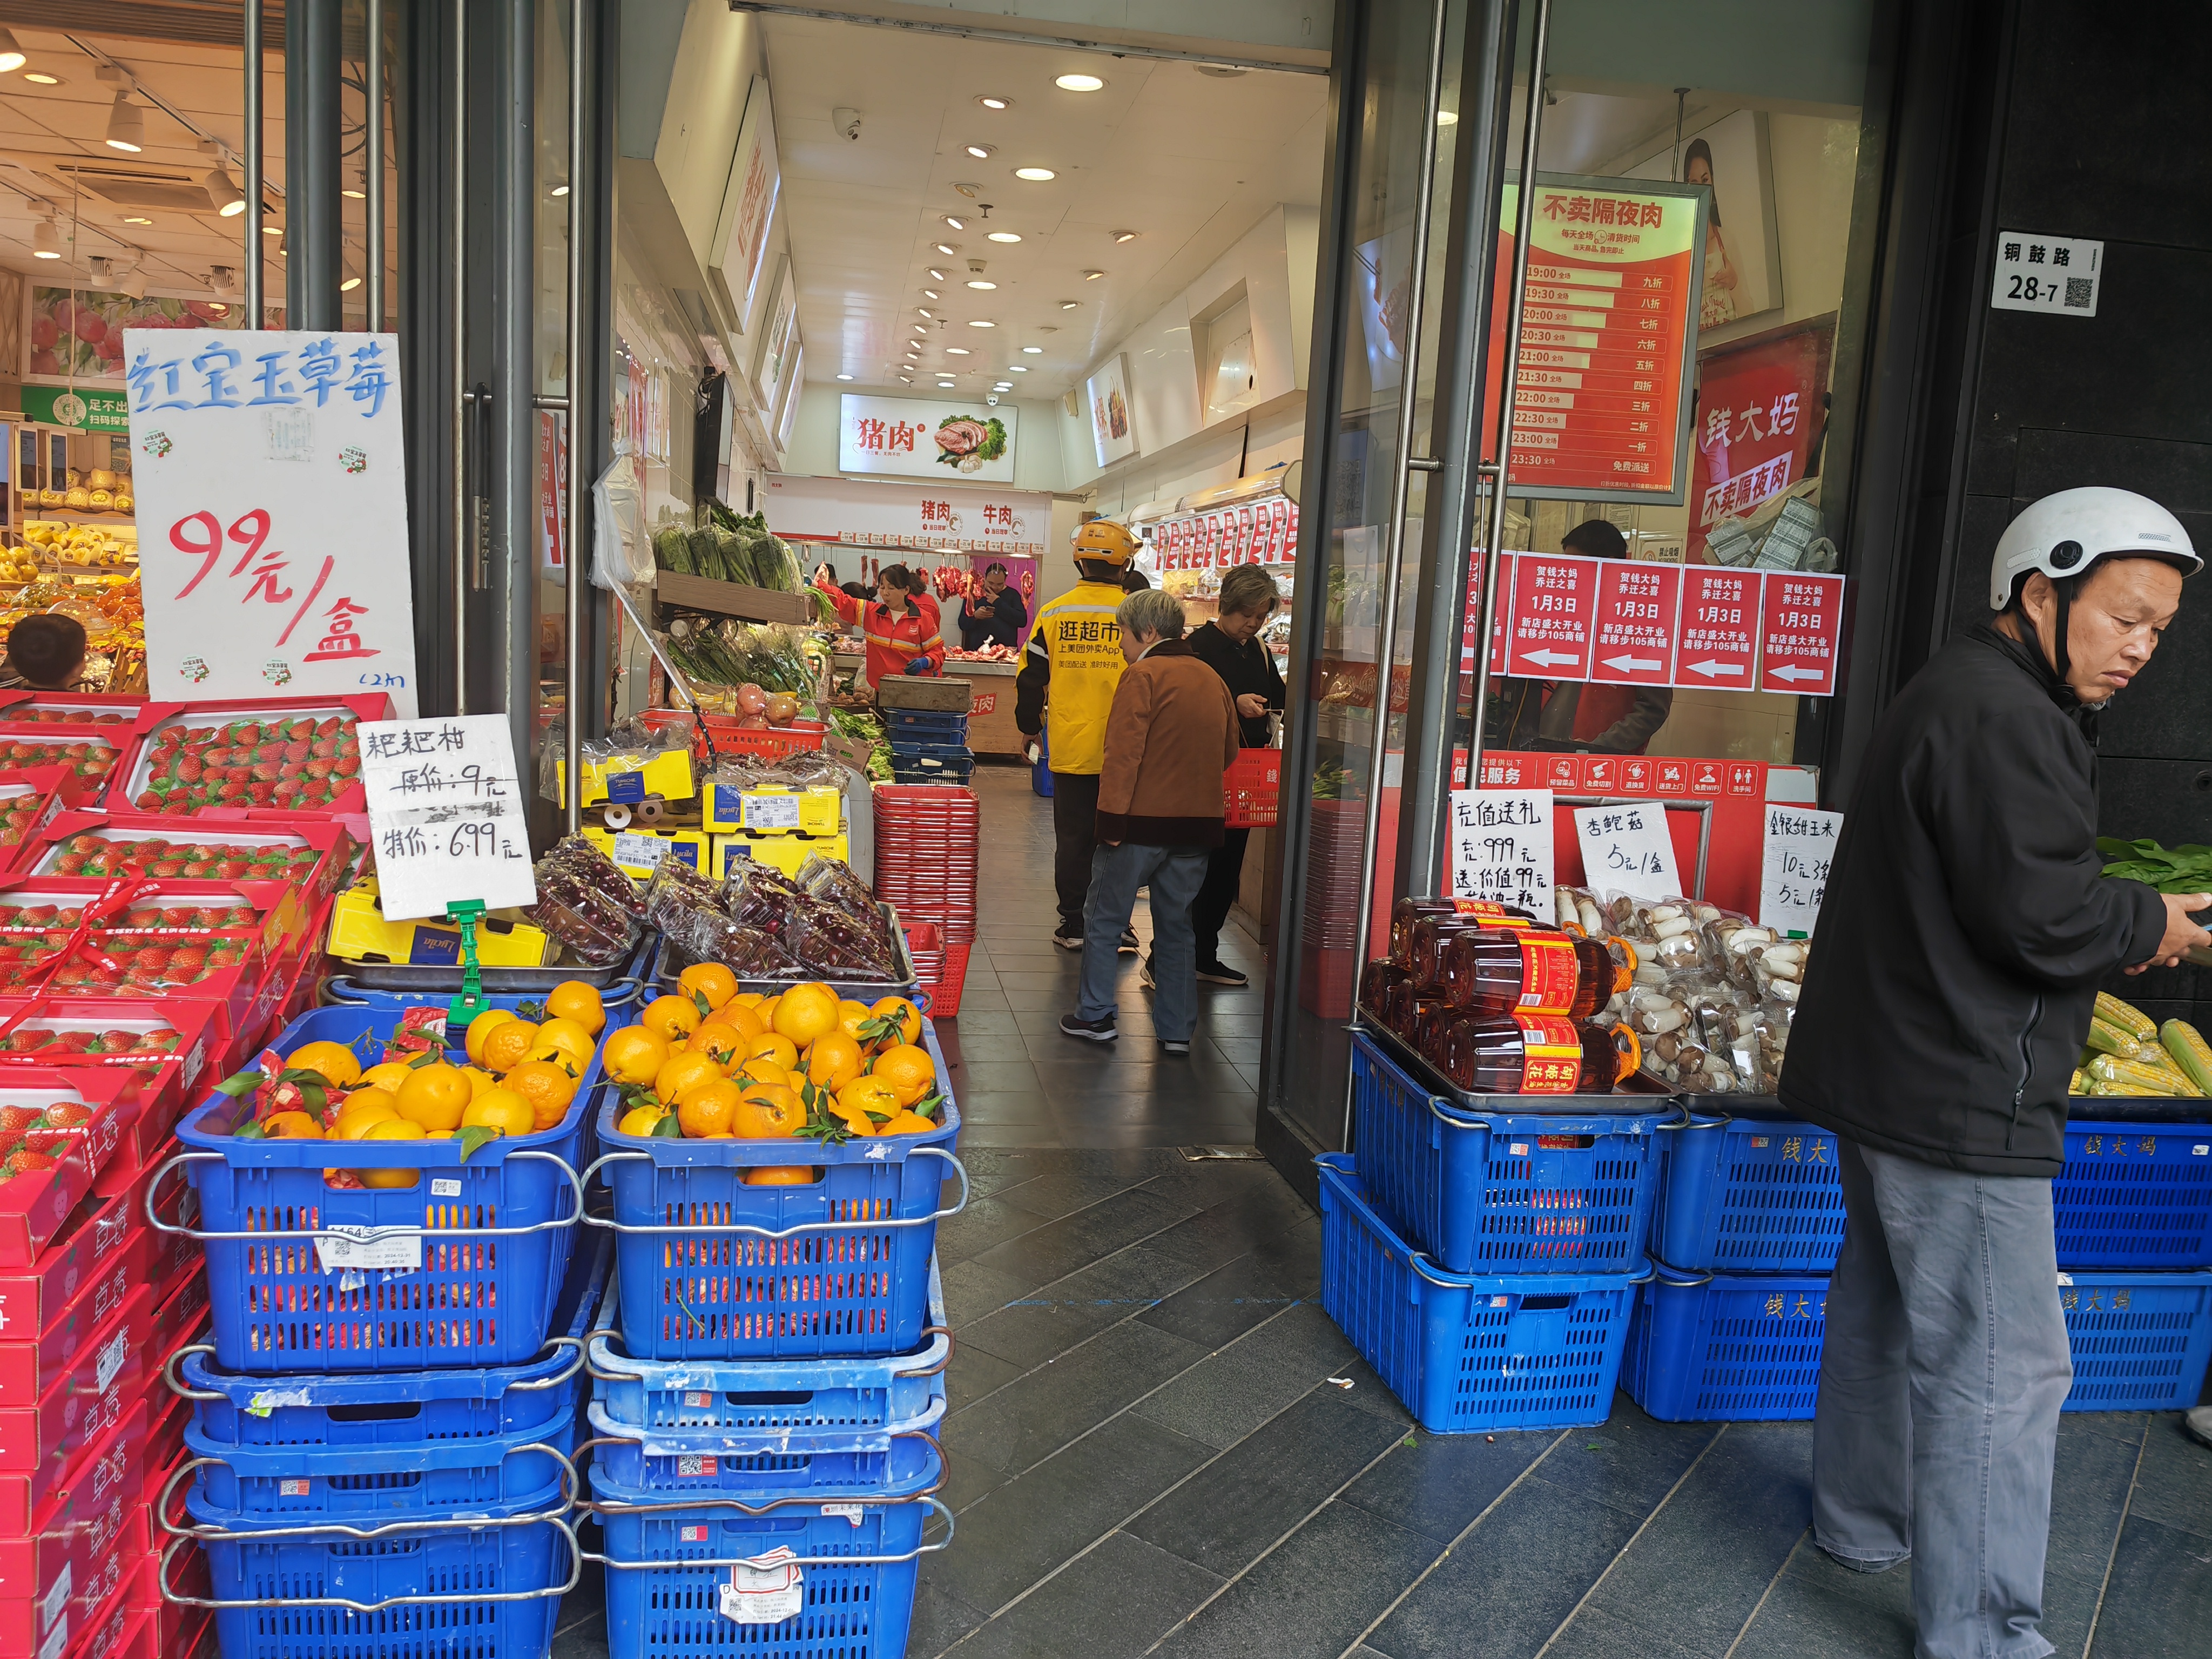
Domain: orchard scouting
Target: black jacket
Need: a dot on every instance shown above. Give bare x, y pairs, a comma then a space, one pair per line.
1003, 625
1246, 668
1964, 927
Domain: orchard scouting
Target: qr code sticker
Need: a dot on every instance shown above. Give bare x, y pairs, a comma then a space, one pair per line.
2077, 293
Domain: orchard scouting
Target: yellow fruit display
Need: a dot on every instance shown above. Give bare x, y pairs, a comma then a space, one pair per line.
547, 1088
806, 1012
573, 999
363, 1109
634, 1054
710, 1109
833, 1060
781, 1174
710, 980
503, 1110
395, 1128
291, 1126
387, 1076
480, 1028
907, 1016
719, 1042
909, 1071
337, 1063
568, 1035
506, 1044
907, 1123
639, 1121
768, 1046
768, 1112
851, 1016
670, 1018
479, 1080
390, 1178
684, 1072
433, 1097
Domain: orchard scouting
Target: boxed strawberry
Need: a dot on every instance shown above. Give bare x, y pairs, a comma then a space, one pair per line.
306, 852
88, 758
41, 1444
25, 706
101, 1233
30, 1363
29, 800
96, 1514
59, 1125
300, 753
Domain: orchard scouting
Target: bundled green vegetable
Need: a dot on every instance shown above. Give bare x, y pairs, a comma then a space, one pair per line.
671, 550
2175, 870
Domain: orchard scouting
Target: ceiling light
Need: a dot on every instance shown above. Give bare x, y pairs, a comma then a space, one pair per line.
980, 283
1078, 82
957, 223
1016, 369
844, 377
223, 194
40, 78
906, 379
135, 219
977, 323
925, 311
45, 240
936, 275
1126, 235
1069, 305
352, 279
127, 125
992, 101
1002, 386
955, 351
131, 284
1003, 236
947, 250
272, 230
1447, 118
558, 190
1088, 276
11, 55
980, 152
945, 386
1034, 175
929, 294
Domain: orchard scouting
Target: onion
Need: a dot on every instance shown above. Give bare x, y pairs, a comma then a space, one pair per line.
754, 721
752, 700
782, 707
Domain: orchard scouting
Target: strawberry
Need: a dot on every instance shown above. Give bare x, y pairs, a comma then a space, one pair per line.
348, 765
70, 864
14, 1120
188, 771
187, 958
118, 1042
232, 869
262, 791
296, 751
265, 772
25, 1162
328, 726
72, 1042
149, 800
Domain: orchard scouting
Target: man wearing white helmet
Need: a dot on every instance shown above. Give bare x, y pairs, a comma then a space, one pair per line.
1963, 935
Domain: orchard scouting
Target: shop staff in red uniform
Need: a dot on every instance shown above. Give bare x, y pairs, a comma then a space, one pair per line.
899, 626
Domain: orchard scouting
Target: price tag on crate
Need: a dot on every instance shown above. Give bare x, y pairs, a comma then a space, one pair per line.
447, 814
765, 1590
362, 1249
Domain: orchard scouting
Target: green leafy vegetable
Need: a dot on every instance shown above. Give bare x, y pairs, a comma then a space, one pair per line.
2170, 870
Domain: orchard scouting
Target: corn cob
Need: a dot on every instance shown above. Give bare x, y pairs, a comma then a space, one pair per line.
2081, 1085
2125, 1015
2190, 1052
2106, 1038
2152, 1079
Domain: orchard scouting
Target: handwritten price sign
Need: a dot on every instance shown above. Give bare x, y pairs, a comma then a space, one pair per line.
1501, 847
446, 814
1793, 878
271, 481
1626, 849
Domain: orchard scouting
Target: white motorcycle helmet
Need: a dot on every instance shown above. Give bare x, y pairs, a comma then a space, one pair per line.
2064, 535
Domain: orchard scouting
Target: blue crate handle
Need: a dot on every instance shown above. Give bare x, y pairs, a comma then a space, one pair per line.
418, 1459
1611, 1124
812, 1499
1532, 1284
661, 1231
343, 993
554, 1519
369, 1388
723, 1443
763, 1376
1682, 1279
369, 1235
571, 1488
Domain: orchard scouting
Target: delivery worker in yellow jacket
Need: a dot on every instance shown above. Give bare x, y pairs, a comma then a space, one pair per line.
1066, 689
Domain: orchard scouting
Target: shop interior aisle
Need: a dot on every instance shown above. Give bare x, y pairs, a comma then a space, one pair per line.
1156, 1443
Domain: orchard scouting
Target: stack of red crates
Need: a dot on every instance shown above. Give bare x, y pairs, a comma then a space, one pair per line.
927, 840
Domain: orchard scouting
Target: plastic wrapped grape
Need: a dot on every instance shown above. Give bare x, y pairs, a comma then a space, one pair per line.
834, 883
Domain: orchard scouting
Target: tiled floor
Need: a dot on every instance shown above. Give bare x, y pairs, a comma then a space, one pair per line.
1157, 1443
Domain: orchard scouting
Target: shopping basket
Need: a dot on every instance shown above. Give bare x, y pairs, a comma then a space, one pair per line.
2135, 1195
462, 1268
904, 727
1251, 789
1469, 1352
696, 1462
1707, 1348
1743, 1195
1489, 1193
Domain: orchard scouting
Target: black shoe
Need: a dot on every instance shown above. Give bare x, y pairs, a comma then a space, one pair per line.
1144, 972
1129, 945
1091, 1030
1066, 940
1174, 1046
1216, 973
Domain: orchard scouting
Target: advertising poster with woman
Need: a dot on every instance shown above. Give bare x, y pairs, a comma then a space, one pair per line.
1729, 159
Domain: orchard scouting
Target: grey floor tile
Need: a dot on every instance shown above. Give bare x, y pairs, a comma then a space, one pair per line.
1035, 1415
1267, 1484
1234, 1298
1802, 1619
1310, 1596
2091, 1476
1030, 1524
2173, 1486
1113, 1603
1237, 1050
1077, 1075
1030, 1106
1000, 1074
972, 1291
1630, 1462
1221, 1232
1060, 977
1076, 1130
1054, 1318
1059, 1248
1439, 1483
966, 1481
986, 1222
1595, 1635
940, 1618
1060, 1184
1235, 1391
974, 1374
1033, 1137
2159, 1604
990, 1170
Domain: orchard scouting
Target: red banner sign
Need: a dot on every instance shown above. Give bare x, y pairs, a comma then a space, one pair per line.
1719, 644
1800, 621
1758, 413
1554, 596
1639, 611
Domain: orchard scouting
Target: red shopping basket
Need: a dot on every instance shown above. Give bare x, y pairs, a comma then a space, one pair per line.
732, 738
1251, 789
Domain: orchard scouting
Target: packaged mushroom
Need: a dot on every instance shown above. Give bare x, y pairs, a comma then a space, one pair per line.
1579, 909
1777, 970
1664, 931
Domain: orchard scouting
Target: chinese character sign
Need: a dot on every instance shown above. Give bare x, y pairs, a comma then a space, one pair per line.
1800, 844
446, 814
1758, 417
2056, 274
272, 514
1628, 849
1501, 847
926, 438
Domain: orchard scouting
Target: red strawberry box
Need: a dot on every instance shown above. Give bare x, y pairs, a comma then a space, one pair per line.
118, 1628
99, 1513
29, 707
298, 753
30, 799
29, 1365
62, 1124
303, 852
89, 757
101, 1233
41, 1444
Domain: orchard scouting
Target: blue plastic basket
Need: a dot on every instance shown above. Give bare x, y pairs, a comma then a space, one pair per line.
1468, 1353
492, 1237
905, 727
343, 992
1742, 1196
952, 766
2140, 1342
829, 1404
675, 1463
2135, 1195
370, 1485
1488, 1193
453, 1566
711, 1268
1727, 1349
858, 1561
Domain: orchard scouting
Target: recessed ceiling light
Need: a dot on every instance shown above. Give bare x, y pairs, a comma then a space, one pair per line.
955, 351
1004, 236
945, 386
925, 311
1069, 305
1126, 235
272, 230
936, 275
947, 250
844, 377
135, 219
992, 101
1078, 82
1447, 118
955, 223
558, 190
929, 294
916, 355
1034, 175
1034, 351
1016, 369
980, 152
1088, 276
979, 283
975, 322
40, 78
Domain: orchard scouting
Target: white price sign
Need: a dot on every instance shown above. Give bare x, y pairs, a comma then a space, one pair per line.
2058, 274
446, 814
1800, 846
1501, 847
270, 474
1626, 849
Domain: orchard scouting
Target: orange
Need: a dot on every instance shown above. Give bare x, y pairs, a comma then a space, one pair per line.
909, 1071
764, 1012
394, 1129
768, 1046
735, 1017
291, 1126
547, 1088
567, 1034
862, 1096
909, 1018
806, 1012
388, 1077
574, 1000
363, 1109
479, 1080
339, 1065
709, 980
506, 1045
750, 999
710, 1109
682, 1074
634, 1054
833, 1060
670, 1018
480, 1028
907, 1123
770, 1112
781, 1174
388, 1177
761, 1069
639, 1121
434, 1094
723, 1045
551, 1054
851, 1016
501, 1110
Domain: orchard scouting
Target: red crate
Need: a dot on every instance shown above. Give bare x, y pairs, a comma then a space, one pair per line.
944, 994
732, 738
99, 1512
29, 707
36, 1206
333, 847
1251, 789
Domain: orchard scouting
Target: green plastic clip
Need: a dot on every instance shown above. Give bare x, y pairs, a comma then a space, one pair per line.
466, 913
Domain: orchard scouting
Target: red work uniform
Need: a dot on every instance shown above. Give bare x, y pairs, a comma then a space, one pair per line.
892, 641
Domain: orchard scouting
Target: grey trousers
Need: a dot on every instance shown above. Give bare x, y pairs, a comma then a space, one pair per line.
1174, 874
1940, 1380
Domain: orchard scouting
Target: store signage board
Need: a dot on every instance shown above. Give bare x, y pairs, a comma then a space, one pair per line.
1608, 338
1553, 597
80, 407
1800, 621
1500, 613
1501, 847
272, 511
1626, 849
1759, 417
868, 515
749, 202
1719, 635
2057, 274
1638, 616
446, 815
951, 441
1798, 846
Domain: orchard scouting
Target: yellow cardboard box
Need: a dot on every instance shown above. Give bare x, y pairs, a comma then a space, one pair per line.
635, 854
785, 853
359, 932
819, 810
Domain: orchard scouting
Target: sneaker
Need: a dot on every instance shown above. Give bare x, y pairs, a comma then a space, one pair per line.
1066, 940
1216, 973
1144, 972
1129, 945
1091, 1030
2198, 1422
1174, 1046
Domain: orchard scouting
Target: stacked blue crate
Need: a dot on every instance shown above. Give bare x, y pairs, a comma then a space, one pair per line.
928, 746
